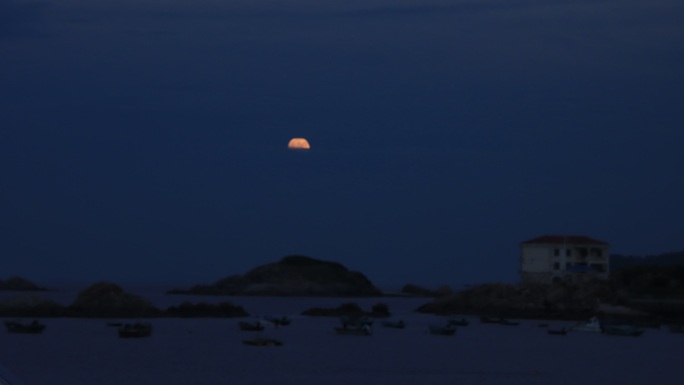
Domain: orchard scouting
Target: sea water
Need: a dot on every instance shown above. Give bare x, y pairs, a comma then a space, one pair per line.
210, 350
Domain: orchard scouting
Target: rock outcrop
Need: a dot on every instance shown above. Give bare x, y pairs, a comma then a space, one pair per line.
105, 299
31, 306
293, 276
526, 300
419, 291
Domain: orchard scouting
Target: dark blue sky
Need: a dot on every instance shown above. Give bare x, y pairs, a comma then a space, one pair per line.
146, 141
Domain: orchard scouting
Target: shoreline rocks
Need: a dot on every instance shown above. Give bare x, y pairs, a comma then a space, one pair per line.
419, 291
557, 301
653, 293
525, 300
31, 306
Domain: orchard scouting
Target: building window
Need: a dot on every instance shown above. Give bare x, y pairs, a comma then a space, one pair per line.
556, 265
556, 252
568, 252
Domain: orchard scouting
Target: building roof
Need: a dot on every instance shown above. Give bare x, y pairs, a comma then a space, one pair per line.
565, 240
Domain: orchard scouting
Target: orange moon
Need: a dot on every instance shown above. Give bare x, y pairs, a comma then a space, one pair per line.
298, 144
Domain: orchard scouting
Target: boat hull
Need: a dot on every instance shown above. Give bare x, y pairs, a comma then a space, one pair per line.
449, 330
138, 330
18, 327
262, 342
353, 331
623, 330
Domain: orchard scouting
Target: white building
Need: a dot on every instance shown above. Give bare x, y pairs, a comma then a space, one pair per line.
553, 258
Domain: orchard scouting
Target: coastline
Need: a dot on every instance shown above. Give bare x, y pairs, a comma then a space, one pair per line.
160, 298
329, 282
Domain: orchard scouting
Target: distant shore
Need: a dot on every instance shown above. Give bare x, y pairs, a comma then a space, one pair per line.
647, 292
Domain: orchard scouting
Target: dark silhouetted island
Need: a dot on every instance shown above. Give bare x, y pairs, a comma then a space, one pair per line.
32, 306
293, 275
109, 300
106, 299
641, 292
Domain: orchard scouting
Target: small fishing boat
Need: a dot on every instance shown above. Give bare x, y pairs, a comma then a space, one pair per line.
277, 321
262, 342
33, 327
114, 324
135, 330
394, 324
558, 332
364, 330
251, 326
593, 326
356, 321
447, 330
459, 322
491, 320
623, 330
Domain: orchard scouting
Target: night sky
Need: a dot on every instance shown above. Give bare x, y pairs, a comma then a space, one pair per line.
146, 141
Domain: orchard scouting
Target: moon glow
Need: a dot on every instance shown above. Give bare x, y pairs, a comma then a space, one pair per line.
298, 144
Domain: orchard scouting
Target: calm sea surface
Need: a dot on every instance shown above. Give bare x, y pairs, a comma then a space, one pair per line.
209, 351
